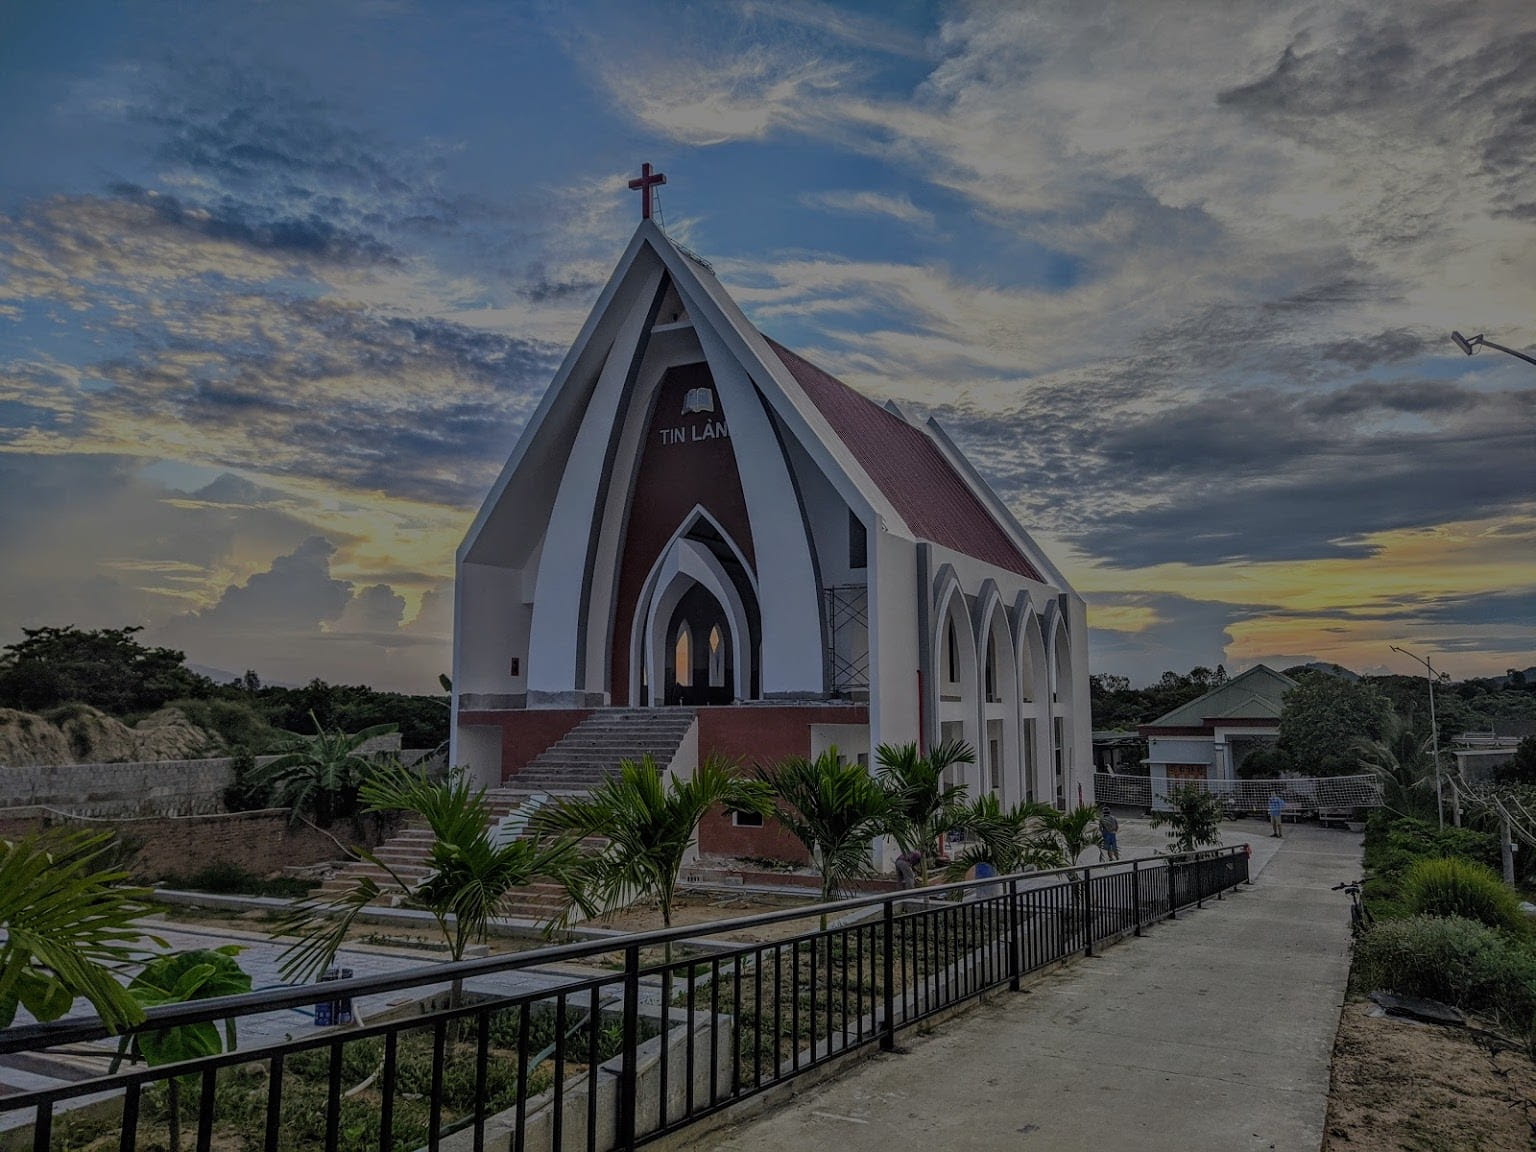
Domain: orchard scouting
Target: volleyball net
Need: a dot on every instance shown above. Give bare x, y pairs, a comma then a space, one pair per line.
1300, 793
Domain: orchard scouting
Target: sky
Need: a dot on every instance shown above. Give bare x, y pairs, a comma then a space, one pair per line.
281, 282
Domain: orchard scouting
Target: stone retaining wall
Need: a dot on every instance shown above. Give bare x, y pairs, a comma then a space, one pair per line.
155, 788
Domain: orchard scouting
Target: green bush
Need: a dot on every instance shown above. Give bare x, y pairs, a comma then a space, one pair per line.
1461, 888
225, 878
249, 792
1450, 958
1394, 844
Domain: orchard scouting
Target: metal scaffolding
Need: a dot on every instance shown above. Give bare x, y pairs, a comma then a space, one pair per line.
847, 609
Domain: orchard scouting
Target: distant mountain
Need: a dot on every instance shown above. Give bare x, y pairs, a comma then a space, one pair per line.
225, 676
1338, 670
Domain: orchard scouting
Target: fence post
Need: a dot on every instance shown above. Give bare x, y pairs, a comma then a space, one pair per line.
1199, 882
1136, 891
888, 978
1173, 892
629, 1070
1015, 942
1088, 909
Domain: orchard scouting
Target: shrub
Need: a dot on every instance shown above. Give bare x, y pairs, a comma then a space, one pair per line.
1394, 844
223, 877
1453, 959
248, 792
1193, 818
1461, 888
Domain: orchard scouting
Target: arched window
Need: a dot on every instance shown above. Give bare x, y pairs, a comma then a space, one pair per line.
951, 653
716, 658
682, 656
991, 671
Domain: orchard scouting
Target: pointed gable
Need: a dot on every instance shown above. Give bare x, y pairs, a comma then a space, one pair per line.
936, 501
1256, 694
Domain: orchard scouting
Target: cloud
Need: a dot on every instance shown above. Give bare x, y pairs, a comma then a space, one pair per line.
296, 619
709, 76
837, 24
1177, 633
869, 203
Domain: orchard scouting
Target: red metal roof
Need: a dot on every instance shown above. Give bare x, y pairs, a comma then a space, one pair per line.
936, 501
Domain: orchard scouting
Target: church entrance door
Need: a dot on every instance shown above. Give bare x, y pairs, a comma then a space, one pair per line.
700, 668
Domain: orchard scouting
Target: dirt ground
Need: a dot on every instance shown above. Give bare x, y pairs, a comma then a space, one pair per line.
689, 908
1406, 1087
380, 934
701, 908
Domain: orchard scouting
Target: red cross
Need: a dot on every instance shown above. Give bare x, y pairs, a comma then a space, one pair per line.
643, 185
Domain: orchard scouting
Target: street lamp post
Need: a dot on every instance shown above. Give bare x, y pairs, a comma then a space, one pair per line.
1470, 345
1434, 729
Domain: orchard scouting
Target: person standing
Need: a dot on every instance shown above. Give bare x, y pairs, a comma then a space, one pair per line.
1276, 810
906, 869
1109, 834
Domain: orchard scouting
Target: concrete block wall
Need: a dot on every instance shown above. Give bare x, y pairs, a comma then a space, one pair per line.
153, 788
161, 788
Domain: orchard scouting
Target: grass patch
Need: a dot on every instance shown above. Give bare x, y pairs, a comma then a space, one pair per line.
226, 879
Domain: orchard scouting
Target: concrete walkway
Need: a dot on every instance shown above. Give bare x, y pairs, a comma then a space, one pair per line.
1210, 1034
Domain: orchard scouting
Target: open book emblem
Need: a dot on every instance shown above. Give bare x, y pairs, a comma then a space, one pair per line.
699, 400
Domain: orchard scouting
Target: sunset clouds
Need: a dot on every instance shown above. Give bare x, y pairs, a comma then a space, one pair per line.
276, 296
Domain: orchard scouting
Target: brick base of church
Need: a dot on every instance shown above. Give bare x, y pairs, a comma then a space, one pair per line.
748, 734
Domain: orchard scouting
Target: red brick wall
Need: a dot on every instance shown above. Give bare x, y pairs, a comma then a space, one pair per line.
260, 842
760, 735
526, 732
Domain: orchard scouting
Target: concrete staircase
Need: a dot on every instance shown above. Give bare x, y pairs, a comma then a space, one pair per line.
591, 751
571, 767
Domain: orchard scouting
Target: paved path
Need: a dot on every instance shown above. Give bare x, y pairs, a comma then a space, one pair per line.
1210, 1034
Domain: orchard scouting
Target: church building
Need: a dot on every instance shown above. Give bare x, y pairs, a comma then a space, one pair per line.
698, 523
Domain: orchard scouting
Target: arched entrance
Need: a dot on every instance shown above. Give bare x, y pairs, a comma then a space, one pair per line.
699, 664
698, 627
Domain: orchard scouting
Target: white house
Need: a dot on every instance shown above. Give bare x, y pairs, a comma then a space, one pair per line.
1210, 736
697, 518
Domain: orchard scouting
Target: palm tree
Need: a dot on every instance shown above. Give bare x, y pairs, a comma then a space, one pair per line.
924, 805
68, 924
649, 823
1010, 840
1074, 830
833, 807
324, 775
468, 883
1193, 818
1400, 761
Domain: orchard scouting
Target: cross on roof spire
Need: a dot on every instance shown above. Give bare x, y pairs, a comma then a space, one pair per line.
643, 184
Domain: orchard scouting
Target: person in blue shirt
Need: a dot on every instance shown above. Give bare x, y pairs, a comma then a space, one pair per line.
1276, 807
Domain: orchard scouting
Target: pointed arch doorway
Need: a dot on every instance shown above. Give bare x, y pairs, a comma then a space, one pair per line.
698, 628
700, 666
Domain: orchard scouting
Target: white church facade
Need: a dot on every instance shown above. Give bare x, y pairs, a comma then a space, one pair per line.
697, 519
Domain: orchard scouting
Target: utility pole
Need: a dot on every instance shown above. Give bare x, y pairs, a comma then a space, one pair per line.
1434, 729
1506, 847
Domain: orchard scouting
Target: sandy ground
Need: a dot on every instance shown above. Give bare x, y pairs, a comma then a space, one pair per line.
1405, 1087
699, 908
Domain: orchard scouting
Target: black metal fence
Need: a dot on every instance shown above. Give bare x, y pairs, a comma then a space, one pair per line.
667, 1028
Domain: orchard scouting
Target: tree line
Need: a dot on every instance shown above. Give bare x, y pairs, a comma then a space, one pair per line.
112, 670
1331, 713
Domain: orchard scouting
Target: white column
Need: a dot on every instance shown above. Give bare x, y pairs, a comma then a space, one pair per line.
558, 608
788, 598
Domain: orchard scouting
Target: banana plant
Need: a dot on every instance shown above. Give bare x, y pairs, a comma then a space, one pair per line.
324, 775
199, 974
